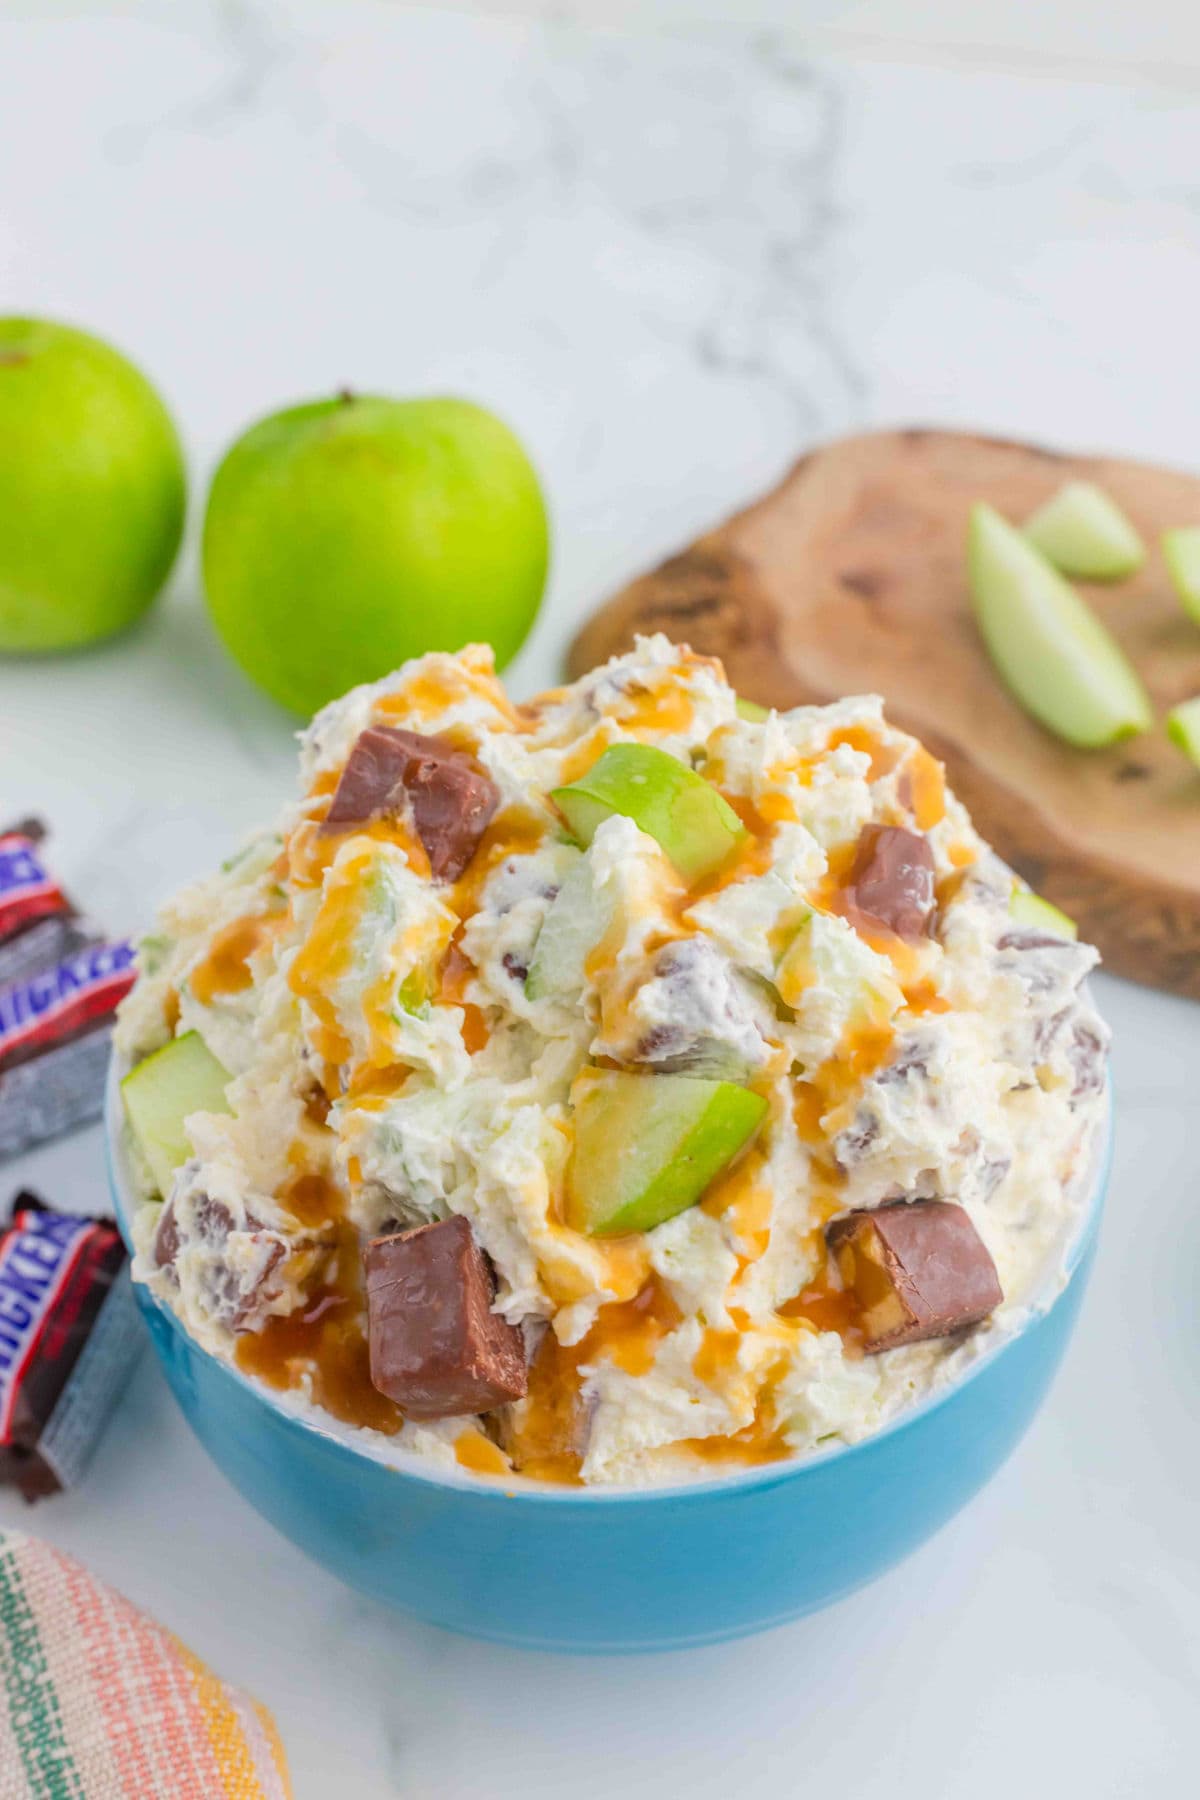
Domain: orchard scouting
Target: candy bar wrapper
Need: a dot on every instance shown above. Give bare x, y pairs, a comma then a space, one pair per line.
69, 1339
55, 1028
100, 1702
38, 924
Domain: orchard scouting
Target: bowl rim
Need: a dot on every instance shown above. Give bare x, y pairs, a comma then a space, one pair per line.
515, 1488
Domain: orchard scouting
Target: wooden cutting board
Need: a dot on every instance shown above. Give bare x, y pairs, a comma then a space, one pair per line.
850, 577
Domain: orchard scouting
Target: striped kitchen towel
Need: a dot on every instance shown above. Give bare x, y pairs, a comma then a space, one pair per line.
100, 1703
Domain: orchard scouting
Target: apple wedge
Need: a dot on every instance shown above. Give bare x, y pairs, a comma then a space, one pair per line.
1052, 652
697, 829
162, 1093
647, 1146
1028, 908
1181, 552
576, 921
1084, 533
1183, 728
750, 709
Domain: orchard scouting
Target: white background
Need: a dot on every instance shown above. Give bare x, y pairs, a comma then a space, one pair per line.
673, 260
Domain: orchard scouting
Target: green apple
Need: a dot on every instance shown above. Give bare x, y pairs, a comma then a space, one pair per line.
182, 1078
1183, 728
647, 1146
1181, 549
576, 921
750, 709
696, 827
1052, 651
346, 535
1027, 908
92, 488
1083, 532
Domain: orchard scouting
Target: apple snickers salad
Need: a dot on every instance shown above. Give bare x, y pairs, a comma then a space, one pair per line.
626, 1087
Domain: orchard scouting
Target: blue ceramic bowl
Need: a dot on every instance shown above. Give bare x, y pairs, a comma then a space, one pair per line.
612, 1570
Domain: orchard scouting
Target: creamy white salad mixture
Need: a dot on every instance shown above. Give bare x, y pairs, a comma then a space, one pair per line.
392, 1062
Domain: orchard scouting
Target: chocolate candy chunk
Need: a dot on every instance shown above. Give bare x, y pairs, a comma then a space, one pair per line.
918, 1268
235, 1269
891, 883
69, 1337
450, 799
437, 1348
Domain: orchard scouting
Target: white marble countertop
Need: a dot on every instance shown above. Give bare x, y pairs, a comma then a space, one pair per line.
673, 262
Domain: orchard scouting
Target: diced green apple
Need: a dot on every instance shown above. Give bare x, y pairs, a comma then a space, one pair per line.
1181, 550
182, 1078
1028, 908
696, 827
750, 709
1083, 532
1051, 650
1183, 728
576, 921
647, 1146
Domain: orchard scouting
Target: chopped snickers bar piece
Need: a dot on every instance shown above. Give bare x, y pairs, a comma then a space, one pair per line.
437, 1348
69, 1337
918, 1269
236, 1266
38, 924
891, 883
449, 798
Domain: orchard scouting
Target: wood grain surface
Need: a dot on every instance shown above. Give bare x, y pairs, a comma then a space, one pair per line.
850, 577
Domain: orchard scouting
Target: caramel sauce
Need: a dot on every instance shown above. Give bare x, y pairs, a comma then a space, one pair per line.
759, 1442
226, 968
429, 692
744, 1200
325, 1340
454, 973
716, 1359
923, 998
669, 708
884, 757
584, 756
474, 1451
312, 1199
923, 789
962, 856
514, 832
171, 1009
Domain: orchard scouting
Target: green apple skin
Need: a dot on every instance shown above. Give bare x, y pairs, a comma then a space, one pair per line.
92, 488
750, 709
1183, 728
344, 536
695, 825
1181, 551
647, 1146
1084, 533
182, 1078
1027, 908
1051, 650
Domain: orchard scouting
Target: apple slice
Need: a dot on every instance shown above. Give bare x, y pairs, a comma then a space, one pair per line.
750, 709
1183, 728
576, 921
1181, 551
162, 1093
1028, 908
1051, 650
1084, 533
696, 828
647, 1146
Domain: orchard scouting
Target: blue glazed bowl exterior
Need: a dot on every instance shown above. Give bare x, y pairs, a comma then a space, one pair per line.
618, 1570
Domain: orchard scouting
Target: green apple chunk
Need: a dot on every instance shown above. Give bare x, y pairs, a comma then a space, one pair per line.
750, 709
696, 827
1084, 533
1028, 908
182, 1078
1181, 551
647, 1146
1051, 650
92, 488
1183, 728
577, 920
346, 535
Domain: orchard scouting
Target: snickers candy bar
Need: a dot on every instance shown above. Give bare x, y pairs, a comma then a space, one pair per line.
69, 1337
38, 924
891, 883
449, 799
54, 1035
437, 1348
917, 1268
